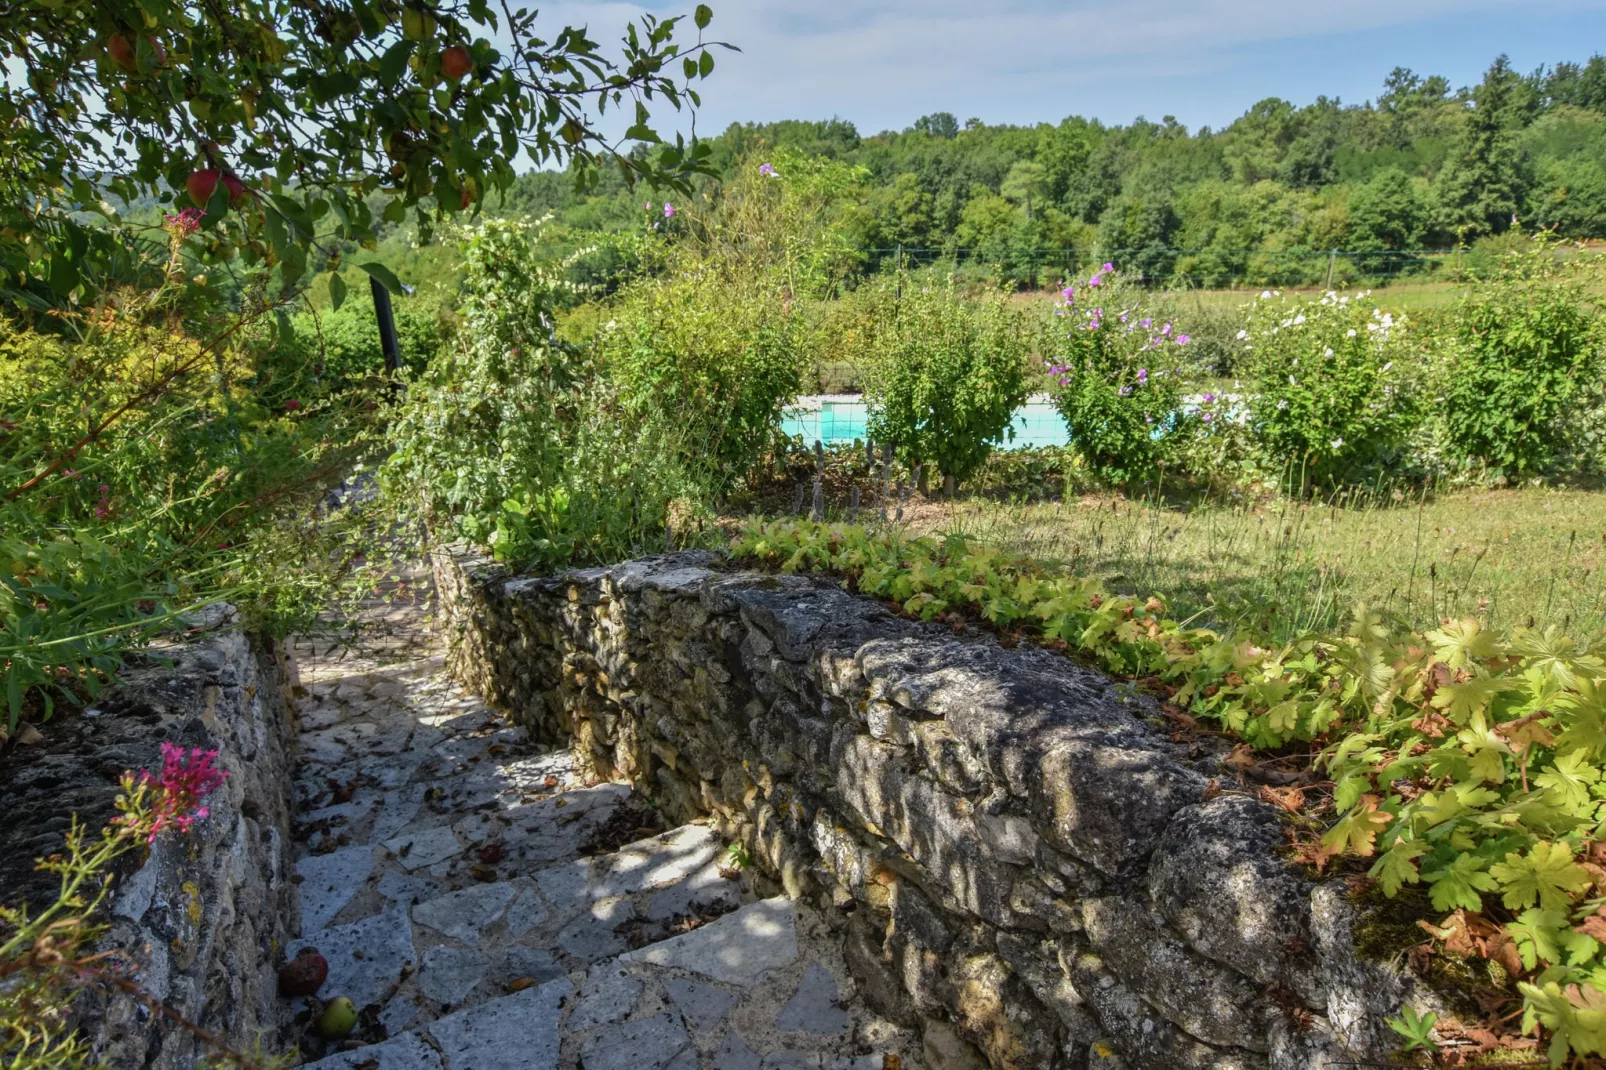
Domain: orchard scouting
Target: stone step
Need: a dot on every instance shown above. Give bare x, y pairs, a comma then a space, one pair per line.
471, 893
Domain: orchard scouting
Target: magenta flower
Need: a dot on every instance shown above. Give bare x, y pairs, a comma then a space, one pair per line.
766, 170
186, 779
1208, 398
1183, 339
1207, 416
185, 223
1095, 281
1145, 323
669, 210
1143, 375
1125, 390
1068, 293
1165, 331
1107, 268
103, 508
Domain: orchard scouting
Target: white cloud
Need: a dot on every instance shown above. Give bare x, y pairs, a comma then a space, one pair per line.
884, 63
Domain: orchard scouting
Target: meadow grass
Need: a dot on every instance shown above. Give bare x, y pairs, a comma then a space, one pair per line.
1510, 557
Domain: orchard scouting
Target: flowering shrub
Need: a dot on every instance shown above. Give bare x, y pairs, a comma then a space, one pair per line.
1333, 393
947, 374
1464, 771
44, 958
1116, 370
1524, 354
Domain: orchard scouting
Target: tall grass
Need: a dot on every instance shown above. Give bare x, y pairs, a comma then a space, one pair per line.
1512, 557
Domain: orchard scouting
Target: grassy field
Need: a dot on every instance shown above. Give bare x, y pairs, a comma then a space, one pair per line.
1511, 557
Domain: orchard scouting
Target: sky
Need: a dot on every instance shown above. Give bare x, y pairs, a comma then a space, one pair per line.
884, 63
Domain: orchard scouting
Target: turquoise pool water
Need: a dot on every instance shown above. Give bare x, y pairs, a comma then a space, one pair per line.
833, 421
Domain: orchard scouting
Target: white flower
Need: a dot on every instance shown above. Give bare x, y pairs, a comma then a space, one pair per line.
1291, 381
1299, 319
1343, 300
1242, 335
1389, 365
1337, 442
1350, 333
1328, 351
1282, 403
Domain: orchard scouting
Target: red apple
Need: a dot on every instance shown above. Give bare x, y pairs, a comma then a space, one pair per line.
456, 62
235, 187
121, 51
201, 184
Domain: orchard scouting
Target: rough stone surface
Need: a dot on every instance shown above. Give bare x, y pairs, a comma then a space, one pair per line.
199, 921
489, 906
1014, 855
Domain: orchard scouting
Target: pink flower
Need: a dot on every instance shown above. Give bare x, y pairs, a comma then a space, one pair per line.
292, 405
669, 210
766, 170
1182, 339
1143, 375
1107, 268
1095, 281
1068, 293
185, 223
647, 207
1208, 416
1208, 398
1166, 330
184, 782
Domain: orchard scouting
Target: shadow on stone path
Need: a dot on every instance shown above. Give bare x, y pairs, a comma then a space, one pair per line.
449, 873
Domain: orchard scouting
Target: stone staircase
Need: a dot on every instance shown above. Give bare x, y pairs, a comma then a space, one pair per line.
488, 910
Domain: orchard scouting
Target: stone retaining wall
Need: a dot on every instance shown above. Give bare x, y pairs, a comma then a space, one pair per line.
203, 917
1020, 860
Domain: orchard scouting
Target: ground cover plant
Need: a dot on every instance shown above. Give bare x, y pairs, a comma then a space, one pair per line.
1455, 765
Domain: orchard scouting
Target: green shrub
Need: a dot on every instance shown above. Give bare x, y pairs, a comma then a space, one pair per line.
1118, 378
338, 349
710, 352
513, 440
1523, 354
1335, 393
946, 375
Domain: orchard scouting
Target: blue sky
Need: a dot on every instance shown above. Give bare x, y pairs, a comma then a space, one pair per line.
884, 64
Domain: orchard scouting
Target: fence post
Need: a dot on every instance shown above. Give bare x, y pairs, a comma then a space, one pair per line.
387, 333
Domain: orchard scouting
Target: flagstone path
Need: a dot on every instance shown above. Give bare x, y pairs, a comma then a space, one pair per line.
487, 910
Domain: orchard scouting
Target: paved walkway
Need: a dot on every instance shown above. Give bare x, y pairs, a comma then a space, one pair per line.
489, 911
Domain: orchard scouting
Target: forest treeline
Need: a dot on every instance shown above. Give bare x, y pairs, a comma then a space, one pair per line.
1424, 166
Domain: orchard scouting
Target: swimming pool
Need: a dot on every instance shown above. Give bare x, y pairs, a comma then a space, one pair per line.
839, 418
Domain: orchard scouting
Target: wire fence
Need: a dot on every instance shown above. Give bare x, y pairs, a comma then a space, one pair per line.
1206, 269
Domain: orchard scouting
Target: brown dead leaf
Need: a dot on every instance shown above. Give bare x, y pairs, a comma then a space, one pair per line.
28, 736
519, 984
1594, 925
1242, 758
1212, 789
1290, 799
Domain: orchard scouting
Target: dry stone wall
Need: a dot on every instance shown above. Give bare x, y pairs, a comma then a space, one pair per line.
1019, 860
200, 919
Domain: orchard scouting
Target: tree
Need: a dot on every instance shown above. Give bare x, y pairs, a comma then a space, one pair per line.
939, 124
1027, 182
279, 120
903, 211
1137, 232
1481, 187
1385, 214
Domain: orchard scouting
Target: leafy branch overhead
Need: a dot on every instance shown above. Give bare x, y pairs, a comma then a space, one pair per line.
283, 120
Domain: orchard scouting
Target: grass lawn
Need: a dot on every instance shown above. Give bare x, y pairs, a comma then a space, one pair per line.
1511, 557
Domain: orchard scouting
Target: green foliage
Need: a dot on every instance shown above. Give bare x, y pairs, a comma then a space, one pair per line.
947, 374
1333, 395
512, 439
290, 116
1523, 363
1118, 369
145, 471
338, 349
1417, 1029
1460, 759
